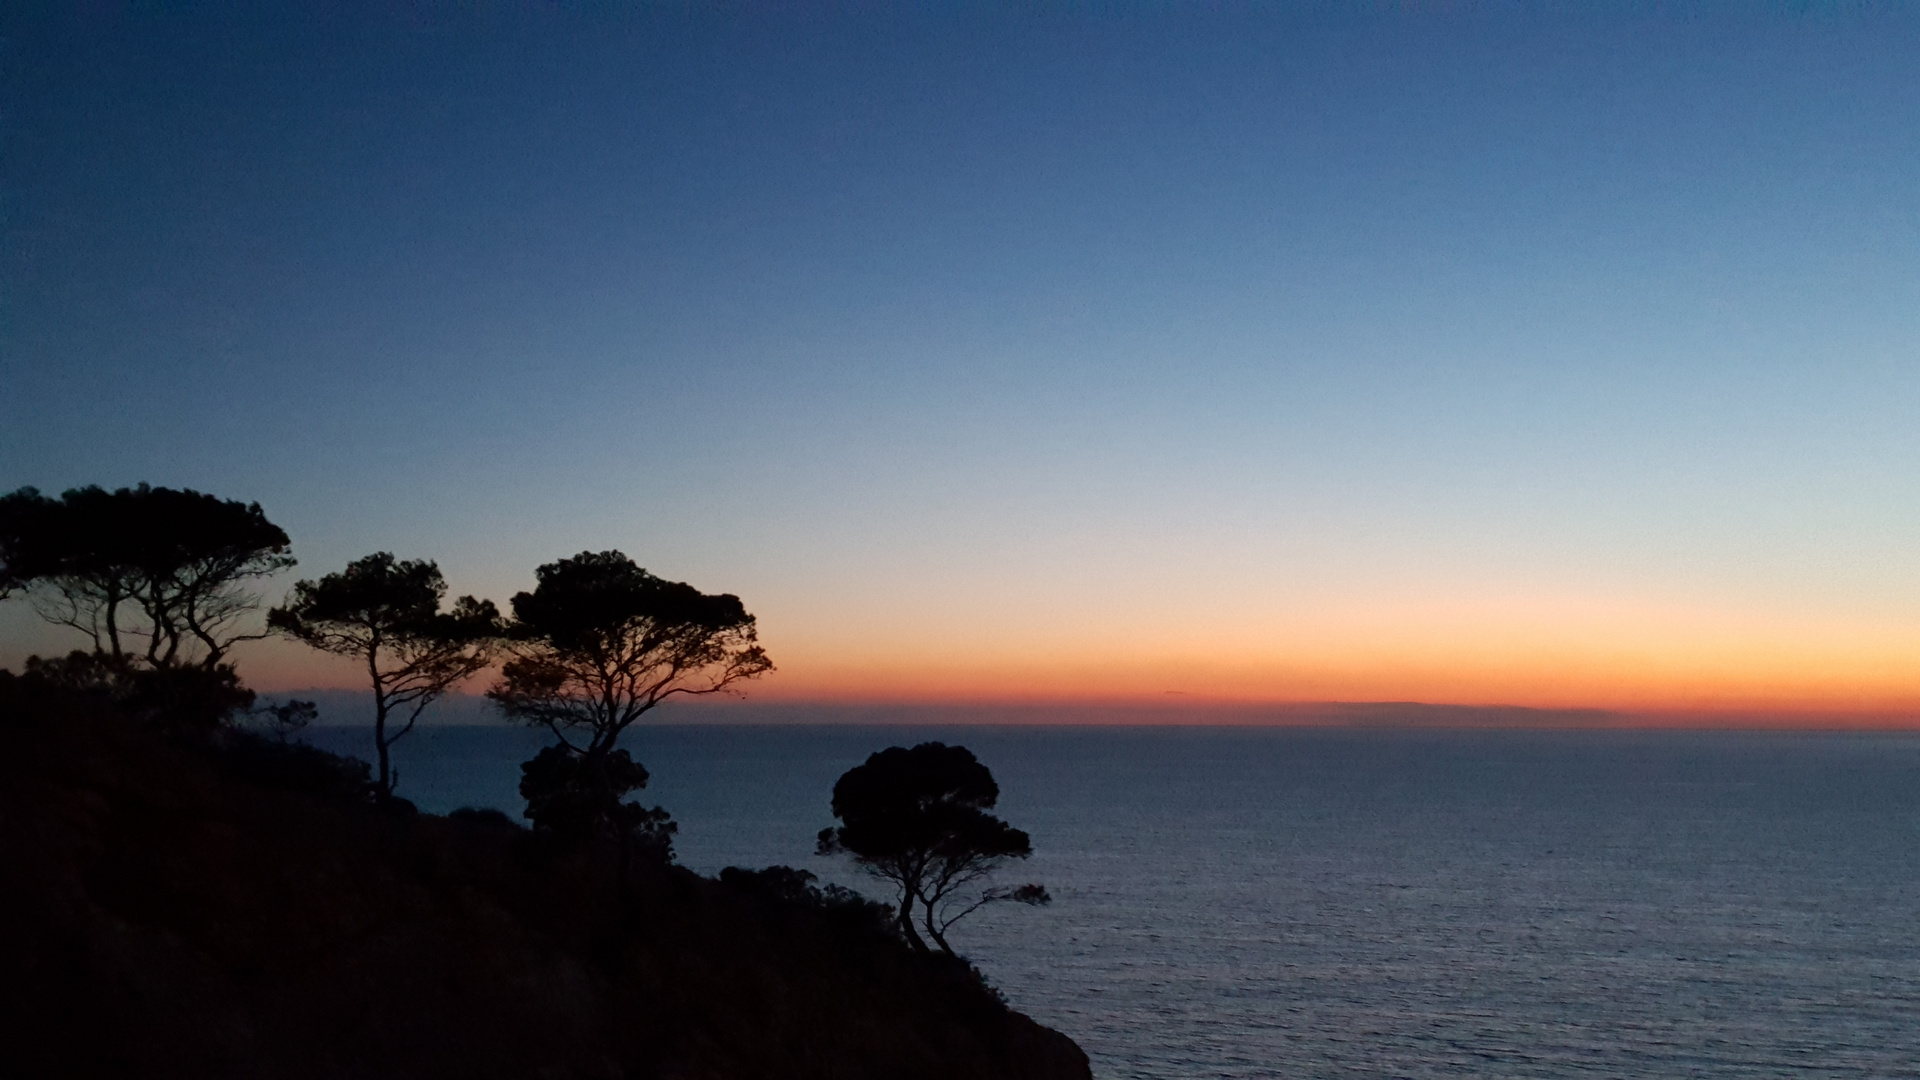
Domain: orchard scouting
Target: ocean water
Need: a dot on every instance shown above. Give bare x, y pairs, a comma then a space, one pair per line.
1235, 902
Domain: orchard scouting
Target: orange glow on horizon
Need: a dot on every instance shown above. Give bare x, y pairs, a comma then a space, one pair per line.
1537, 652
1663, 663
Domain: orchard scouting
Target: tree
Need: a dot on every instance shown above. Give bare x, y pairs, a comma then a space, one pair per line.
171, 567
918, 819
597, 645
385, 613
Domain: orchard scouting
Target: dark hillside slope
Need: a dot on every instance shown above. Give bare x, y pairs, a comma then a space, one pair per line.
165, 915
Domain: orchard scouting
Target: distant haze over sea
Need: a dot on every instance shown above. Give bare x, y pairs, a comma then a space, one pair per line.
349, 708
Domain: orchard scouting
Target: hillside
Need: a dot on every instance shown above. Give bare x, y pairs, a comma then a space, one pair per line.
229, 910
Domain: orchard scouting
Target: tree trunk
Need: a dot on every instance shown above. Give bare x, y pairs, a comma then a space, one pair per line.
380, 738
380, 742
906, 923
380, 705
113, 624
933, 930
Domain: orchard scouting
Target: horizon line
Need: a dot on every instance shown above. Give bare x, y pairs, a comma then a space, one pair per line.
1194, 711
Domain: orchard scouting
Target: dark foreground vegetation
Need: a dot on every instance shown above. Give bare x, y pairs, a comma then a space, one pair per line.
228, 905
190, 891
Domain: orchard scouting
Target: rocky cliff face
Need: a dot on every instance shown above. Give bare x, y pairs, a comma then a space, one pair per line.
170, 910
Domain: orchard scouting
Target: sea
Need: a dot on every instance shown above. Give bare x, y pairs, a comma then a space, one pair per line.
1360, 902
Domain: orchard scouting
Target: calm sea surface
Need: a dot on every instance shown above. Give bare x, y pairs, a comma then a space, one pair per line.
1346, 903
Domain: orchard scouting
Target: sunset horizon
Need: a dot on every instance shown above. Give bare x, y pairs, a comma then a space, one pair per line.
964, 541
1662, 664
1557, 360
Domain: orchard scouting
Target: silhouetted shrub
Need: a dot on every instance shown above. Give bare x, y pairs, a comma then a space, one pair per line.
182, 702
93, 674
284, 721
484, 816
580, 796
783, 883
788, 885
266, 762
190, 703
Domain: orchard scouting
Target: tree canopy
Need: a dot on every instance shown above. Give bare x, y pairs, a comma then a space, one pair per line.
600, 642
385, 612
149, 574
918, 819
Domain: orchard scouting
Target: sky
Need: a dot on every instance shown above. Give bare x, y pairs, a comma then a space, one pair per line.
1549, 355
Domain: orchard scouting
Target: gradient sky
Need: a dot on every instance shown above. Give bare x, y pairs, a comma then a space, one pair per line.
1447, 352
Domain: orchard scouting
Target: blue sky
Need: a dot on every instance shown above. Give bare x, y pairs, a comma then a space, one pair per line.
1469, 352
